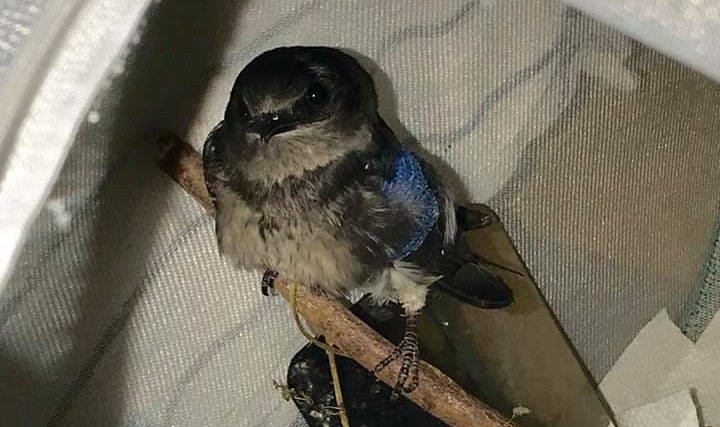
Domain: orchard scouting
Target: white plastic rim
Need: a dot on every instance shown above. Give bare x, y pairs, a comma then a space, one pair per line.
46, 94
686, 30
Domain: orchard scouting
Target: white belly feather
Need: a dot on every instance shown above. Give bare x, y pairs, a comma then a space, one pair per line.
299, 250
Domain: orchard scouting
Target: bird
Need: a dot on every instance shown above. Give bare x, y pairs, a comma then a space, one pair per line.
311, 184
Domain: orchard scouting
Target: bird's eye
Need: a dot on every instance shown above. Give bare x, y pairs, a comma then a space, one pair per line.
316, 96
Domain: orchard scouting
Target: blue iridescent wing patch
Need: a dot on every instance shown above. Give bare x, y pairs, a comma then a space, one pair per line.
407, 185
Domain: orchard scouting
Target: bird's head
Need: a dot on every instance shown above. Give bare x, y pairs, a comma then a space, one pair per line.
294, 109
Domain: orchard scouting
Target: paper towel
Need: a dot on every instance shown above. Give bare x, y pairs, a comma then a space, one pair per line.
654, 381
677, 410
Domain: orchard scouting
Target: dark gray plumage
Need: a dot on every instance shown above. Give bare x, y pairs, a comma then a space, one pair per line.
310, 182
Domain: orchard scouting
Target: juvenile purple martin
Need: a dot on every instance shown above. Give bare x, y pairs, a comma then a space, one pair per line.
309, 182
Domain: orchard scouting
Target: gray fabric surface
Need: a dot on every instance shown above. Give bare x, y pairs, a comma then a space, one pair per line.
708, 301
121, 312
614, 209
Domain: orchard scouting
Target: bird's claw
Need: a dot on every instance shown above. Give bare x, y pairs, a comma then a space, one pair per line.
407, 350
267, 284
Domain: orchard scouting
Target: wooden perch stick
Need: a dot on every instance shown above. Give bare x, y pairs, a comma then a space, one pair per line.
436, 393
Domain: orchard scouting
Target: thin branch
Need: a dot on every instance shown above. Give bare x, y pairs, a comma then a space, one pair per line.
436, 393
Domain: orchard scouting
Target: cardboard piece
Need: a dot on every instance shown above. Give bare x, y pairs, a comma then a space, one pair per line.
519, 357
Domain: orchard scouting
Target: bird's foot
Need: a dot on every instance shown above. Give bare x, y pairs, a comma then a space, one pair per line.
408, 351
267, 284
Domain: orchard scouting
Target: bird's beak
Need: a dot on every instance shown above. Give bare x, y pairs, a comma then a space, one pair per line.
269, 125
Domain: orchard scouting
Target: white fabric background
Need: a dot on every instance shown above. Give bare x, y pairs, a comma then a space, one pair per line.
127, 316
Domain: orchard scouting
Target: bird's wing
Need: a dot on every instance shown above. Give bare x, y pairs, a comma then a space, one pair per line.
464, 275
411, 180
436, 244
447, 221
407, 186
211, 160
